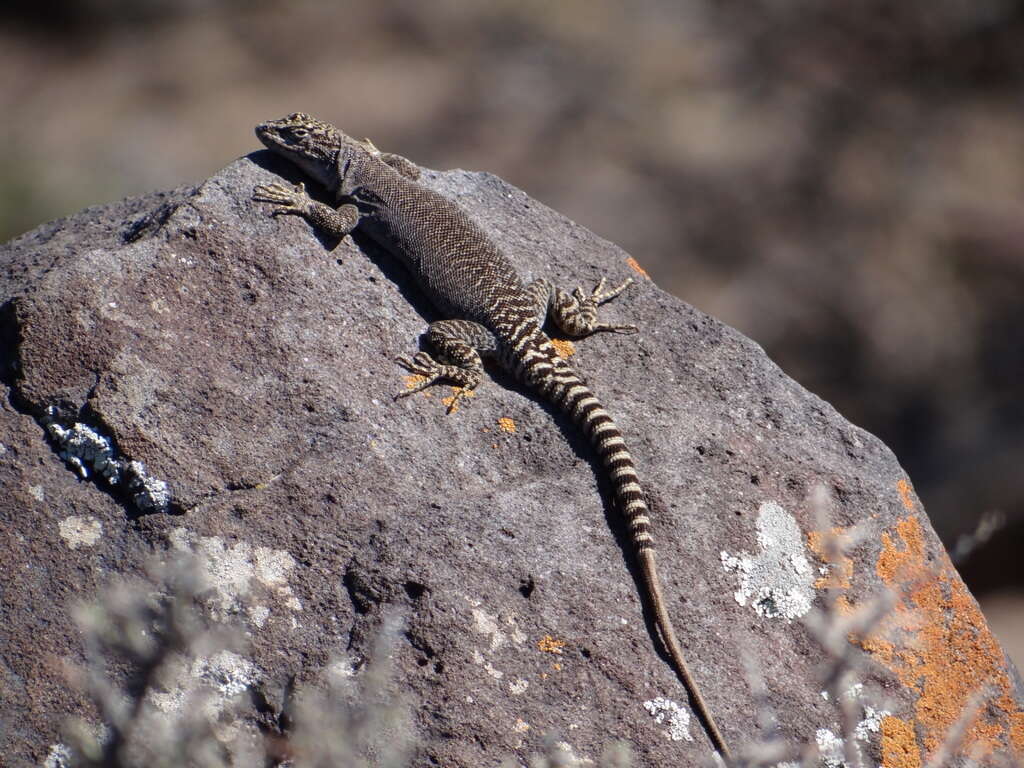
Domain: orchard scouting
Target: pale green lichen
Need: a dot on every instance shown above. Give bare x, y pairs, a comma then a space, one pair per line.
80, 531
778, 581
234, 571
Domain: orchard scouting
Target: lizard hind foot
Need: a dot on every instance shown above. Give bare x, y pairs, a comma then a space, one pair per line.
431, 372
577, 313
599, 296
422, 365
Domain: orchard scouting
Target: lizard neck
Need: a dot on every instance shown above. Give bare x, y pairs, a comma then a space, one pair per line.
356, 170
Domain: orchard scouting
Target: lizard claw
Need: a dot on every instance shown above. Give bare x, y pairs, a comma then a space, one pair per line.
423, 365
287, 201
599, 295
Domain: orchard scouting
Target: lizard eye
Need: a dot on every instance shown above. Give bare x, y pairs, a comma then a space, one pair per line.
300, 133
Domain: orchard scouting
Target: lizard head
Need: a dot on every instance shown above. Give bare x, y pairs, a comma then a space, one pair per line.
318, 148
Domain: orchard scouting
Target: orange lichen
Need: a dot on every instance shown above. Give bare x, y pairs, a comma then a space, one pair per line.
635, 266
458, 393
899, 744
936, 642
548, 644
413, 379
843, 606
506, 424
1017, 732
906, 564
564, 348
906, 494
840, 567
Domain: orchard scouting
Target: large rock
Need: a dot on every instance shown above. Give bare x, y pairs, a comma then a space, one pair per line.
223, 381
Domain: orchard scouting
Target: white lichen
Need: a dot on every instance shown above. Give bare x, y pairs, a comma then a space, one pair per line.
273, 565
213, 681
148, 493
272, 568
227, 673
518, 636
564, 754
59, 756
779, 581
830, 747
343, 668
485, 624
490, 626
86, 450
89, 453
854, 693
258, 615
665, 711
871, 724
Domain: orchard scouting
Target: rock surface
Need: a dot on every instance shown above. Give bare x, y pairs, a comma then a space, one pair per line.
233, 373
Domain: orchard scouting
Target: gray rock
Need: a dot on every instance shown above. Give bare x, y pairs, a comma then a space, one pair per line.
233, 373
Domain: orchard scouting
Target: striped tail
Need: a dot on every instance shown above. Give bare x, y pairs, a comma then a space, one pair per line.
539, 365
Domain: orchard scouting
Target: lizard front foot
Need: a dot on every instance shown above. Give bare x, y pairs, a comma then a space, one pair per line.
294, 201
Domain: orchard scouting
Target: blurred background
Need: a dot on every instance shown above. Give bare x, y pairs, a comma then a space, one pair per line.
843, 182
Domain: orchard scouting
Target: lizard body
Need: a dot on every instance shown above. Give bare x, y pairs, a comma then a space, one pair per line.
492, 313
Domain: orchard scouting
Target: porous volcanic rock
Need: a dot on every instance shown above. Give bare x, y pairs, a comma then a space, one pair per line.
182, 370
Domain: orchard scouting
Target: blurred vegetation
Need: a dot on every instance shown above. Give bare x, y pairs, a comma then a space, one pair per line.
172, 685
842, 182
170, 690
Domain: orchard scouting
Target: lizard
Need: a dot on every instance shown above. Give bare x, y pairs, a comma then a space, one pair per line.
489, 311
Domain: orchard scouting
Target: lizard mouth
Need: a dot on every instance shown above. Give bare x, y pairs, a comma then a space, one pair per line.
266, 134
